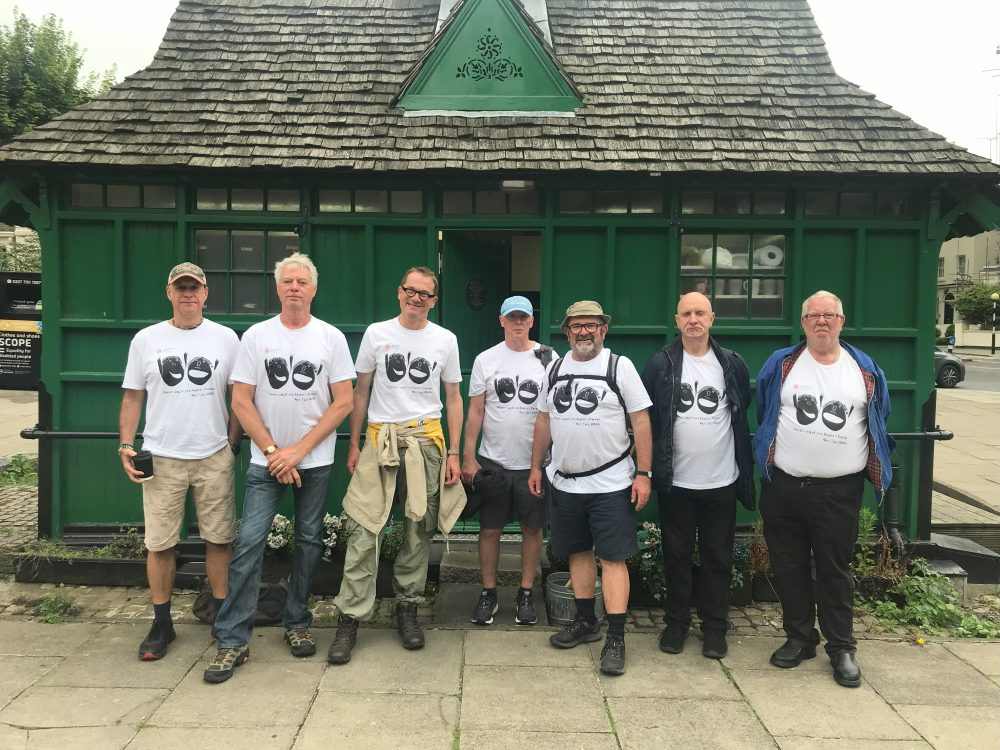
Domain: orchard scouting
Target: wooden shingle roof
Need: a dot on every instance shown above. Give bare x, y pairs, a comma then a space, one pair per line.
669, 86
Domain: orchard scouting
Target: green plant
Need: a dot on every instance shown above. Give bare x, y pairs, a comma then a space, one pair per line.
392, 542
22, 469
647, 563
878, 566
759, 562
126, 544
55, 608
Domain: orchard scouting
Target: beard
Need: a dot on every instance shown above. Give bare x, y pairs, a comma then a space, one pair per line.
584, 350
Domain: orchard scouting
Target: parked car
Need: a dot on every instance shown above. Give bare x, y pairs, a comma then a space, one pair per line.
949, 370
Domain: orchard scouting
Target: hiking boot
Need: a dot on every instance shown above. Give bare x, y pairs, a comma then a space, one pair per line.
409, 629
714, 645
225, 661
577, 632
613, 655
524, 610
343, 642
300, 641
672, 639
160, 635
486, 607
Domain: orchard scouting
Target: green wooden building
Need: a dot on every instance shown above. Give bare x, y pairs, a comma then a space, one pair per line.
620, 150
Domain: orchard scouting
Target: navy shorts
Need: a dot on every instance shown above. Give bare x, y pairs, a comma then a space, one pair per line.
604, 522
495, 511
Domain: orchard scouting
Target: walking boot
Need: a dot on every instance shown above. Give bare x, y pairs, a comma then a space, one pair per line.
343, 642
409, 629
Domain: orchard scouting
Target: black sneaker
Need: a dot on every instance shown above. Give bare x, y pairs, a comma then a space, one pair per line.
613, 655
577, 632
486, 607
672, 639
160, 635
714, 646
524, 610
225, 661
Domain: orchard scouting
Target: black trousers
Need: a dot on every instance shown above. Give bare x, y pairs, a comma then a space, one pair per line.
817, 518
710, 517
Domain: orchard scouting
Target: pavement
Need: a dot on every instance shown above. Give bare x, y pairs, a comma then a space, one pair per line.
78, 684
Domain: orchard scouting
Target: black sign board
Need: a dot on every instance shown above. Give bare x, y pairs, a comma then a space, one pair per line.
20, 330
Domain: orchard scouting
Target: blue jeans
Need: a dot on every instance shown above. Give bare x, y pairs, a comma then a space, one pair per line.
234, 622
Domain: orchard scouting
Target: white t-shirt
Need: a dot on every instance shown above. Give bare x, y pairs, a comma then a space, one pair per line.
409, 368
704, 452
588, 425
823, 421
512, 383
292, 371
185, 374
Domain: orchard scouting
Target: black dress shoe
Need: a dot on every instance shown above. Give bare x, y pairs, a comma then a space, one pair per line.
845, 669
792, 654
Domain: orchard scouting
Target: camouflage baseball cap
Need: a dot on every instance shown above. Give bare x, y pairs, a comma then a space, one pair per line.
186, 269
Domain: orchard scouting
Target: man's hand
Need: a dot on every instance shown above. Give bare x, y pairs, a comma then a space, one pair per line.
640, 491
289, 476
453, 470
284, 459
353, 454
535, 483
469, 468
130, 471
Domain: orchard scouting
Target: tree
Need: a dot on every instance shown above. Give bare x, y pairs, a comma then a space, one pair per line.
40, 74
975, 304
23, 254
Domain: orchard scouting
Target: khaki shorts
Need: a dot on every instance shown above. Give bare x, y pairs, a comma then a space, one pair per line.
211, 483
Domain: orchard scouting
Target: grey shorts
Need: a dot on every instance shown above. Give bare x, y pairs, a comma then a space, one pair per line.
495, 511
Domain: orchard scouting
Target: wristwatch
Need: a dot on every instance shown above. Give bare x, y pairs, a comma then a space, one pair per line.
124, 447
453, 452
270, 449
647, 474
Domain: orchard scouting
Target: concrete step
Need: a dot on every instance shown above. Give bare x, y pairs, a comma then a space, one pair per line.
461, 565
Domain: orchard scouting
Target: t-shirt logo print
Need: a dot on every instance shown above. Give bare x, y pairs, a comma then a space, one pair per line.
586, 400
303, 375
526, 391
419, 368
172, 369
708, 399
807, 410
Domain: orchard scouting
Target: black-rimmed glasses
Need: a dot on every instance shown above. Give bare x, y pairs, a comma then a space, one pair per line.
828, 317
409, 291
579, 327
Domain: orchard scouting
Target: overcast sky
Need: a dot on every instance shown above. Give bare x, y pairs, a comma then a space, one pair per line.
934, 60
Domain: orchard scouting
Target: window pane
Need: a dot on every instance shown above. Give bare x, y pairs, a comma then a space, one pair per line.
248, 294
218, 292
123, 196
610, 202
856, 204
892, 204
248, 199
696, 251
212, 199
731, 299
770, 302
732, 251
491, 202
456, 202
769, 204
701, 284
647, 203
159, 196
523, 202
213, 249
821, 204
283, 200
407, 201
280, 245
335, 201
769, 253
371, 201
574, 202
86, 196
733, 203
697, 203
272, 296
248, 251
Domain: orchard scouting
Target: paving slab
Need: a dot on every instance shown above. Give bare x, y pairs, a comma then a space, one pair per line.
984, 656
31, 638
812, 743
753, 652
904, 673
507, 740
644, 723
521, 648
39, 707
380, 664
787, 702
258, 695
216, 738
363, 721
105, 738
521, 699
651, 673
955, 727
20, 672
454, 604
111, 658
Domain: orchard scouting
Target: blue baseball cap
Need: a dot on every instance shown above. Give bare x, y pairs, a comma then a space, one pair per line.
517, 303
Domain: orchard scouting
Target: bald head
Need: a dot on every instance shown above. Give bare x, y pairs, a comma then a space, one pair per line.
694, 320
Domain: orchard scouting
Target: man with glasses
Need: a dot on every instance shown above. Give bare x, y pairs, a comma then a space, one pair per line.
181, 368
504, 391
593, 406
293, 388
402, 363
823, 410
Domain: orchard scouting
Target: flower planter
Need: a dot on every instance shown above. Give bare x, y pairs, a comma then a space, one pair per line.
80, 571
764, 589
328, 575
560, 605
640, 593
742, 594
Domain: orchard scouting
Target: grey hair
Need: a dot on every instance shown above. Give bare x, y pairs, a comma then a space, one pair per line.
822, 293
296, 259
